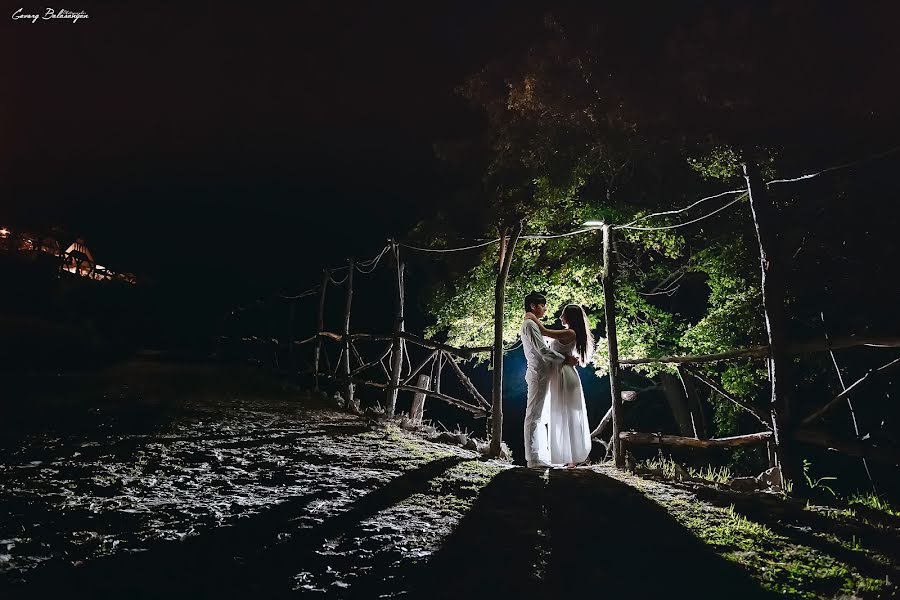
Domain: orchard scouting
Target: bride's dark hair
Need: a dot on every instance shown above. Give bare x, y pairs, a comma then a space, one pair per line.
584, 340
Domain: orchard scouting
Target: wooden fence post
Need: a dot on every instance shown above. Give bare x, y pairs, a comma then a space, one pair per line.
348, 385
773, 292
607, 278
417, 411
506, 252
320, 326
399, 326
290, 341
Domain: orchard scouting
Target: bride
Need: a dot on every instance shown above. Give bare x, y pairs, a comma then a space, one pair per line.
570, 440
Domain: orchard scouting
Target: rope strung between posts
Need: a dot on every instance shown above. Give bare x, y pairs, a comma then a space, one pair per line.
836, 168
373, 263
370, 265
719, 195
691, 222
304, 294
680, 210
332, 280
420, 249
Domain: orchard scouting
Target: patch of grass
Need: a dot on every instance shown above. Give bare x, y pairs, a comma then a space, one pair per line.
713, 474
874, 502
660, 463
667, 466
781, 565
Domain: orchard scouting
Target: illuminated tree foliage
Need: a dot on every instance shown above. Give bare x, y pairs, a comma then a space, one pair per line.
587, 124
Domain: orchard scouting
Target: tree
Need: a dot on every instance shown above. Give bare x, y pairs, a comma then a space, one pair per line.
586, 122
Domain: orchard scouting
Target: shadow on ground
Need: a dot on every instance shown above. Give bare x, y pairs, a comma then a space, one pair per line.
255, 557
574, 532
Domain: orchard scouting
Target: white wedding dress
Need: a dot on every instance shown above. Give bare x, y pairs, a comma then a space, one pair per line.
570, 438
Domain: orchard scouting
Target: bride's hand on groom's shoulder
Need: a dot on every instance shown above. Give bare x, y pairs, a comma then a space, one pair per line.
531, 316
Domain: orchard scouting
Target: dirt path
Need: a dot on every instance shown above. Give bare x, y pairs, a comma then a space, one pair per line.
205, 489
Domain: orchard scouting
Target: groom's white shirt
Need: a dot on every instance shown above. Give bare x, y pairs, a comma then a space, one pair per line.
541, 361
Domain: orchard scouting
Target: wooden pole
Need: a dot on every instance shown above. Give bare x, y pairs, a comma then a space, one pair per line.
439, 364
506, 252
793, 348
773, 292
761, 417
467, 383
290, 341
320, 325
417, 411
609, 308
853, 386
396, 345
345, 358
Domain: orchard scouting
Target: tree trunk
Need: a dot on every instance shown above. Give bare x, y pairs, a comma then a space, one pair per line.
506, 252
609, 307
678, 403
773, 292
627, 396
694, 404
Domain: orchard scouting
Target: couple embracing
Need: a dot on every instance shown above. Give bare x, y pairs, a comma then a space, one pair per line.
556, 424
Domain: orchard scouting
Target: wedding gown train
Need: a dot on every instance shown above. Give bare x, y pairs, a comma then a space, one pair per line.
570, 438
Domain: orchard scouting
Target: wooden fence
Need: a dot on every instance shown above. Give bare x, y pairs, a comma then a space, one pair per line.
781, 428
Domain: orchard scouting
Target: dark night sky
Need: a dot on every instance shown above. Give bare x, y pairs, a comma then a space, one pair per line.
170, 137
238, 147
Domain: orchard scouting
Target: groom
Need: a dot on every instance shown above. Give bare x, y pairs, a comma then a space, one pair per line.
541, 362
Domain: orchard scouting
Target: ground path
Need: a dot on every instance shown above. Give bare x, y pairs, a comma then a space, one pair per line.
219, 487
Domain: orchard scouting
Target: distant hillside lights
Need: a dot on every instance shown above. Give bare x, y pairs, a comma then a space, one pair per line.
77, 258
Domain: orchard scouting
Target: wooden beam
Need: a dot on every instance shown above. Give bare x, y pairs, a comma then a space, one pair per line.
608, 277
467, 383
290, 338
419, 367
460, 352
875, 371
719, 390
641, 438
365, 366
348, 383
397, 356
476, 410
410, 337
320, 326
793, 348
851, 447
